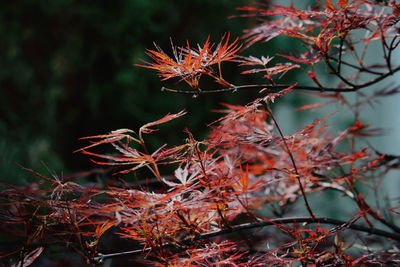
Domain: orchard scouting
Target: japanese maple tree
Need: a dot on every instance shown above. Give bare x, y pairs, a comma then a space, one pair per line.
242, 195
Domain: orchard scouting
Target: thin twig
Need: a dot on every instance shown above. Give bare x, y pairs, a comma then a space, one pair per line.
284, 86
377, 79
391, 48
361, 69
259, 86
339, 61
335, 72
303, 193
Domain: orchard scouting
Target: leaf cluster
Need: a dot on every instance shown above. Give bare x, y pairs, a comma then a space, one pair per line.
212, 210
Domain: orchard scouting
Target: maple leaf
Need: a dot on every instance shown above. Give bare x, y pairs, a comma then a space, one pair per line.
146, 128
129, 155
112, 137
271, 97
335, 98
310, 57
182, 174
270, 71
190, 64
29, 258
243, 181
361, 129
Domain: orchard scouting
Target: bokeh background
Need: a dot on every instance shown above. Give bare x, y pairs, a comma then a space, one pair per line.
67, 71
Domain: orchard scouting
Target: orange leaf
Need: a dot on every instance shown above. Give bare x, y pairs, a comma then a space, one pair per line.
168, 117
100, 229
112, 137
329, 4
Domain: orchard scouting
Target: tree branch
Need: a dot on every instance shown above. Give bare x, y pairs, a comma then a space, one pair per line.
356, 87
259, 86
247, 226
360, 69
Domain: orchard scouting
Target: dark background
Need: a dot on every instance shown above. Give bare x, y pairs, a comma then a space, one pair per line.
67, 71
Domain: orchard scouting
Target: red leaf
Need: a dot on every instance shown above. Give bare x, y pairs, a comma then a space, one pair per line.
112, 137
342, 3
329, 4
272, 96
190, 64
168, 117
314, 78
309, 128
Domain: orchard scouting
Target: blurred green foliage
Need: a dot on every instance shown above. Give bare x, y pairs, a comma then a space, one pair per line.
68, 71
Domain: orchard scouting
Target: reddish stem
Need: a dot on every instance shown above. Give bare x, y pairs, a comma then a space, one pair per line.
293, 162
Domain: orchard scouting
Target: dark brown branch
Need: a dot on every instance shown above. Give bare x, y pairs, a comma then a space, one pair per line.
339, 60
277, 87
259, 86
391, 48
284, 86
247, 226
337, 73
361, 69
378, 79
